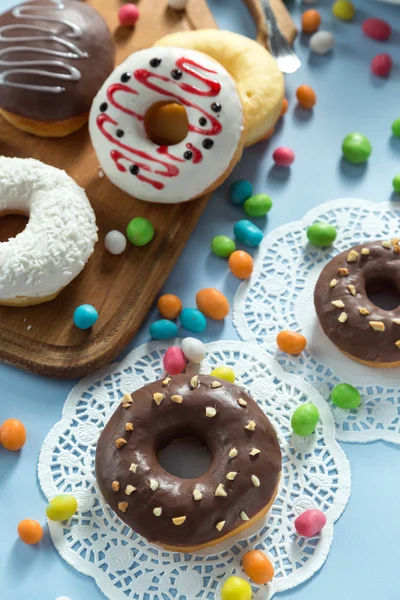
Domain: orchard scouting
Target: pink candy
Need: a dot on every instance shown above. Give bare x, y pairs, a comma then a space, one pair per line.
381, 65
310, 523
378, 29
283, 156
128, 14
174, 361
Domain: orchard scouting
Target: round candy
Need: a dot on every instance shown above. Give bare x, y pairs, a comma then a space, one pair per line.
258, 567
30, 531
310, 523
321, 42
241, 264
306, 96
247, 233
356, 148
115, 242
178, 4
381, 65
85, 316
305, 419
212, 303
12, 434
223, 246
283, 156
169, 306
343, 10
193, 320
224, 373
258, 205
396, 128
321, 234
193, 349
174, 361
236, 588
396, 183
310, 21
62, 507
346, 396
240, 191
291, 342
378, 29
140, 231
285, 106
128, 14
163, 330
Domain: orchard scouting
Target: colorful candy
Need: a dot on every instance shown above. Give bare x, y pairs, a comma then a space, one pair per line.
346, 396
212, 303
310, 21
305, 419
291, 342
258, 205
258, 567
223, 246
306, 96
85, 316
193, 320
247, 233
381, 65
343, 10
321, 234
174, 361
30, 531
140, 231
356, 148
236, 588
224, 373
322, 42
193, 349
12, 435
128, 14
115, 242
169, 306
283, 156
396, 128
61, 508
163, 330
285, 106
240, 191
241, 264
310, 523
377, 29
396, 183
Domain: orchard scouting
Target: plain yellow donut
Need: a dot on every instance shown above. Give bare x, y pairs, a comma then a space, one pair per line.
258, 79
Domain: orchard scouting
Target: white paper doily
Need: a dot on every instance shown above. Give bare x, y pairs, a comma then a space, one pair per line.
279, 296
316, 474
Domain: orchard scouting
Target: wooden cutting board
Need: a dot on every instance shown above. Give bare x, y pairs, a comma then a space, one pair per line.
42, 338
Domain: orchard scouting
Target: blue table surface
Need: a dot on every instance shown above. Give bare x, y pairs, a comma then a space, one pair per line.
365, 556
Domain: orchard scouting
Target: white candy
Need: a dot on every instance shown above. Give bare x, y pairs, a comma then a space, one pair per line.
193, 349
178, 4
321, 42
115, 242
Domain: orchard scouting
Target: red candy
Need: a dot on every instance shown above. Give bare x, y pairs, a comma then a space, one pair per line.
381, 65
310, 523
283, 156
174, 361
128, 14
378, 29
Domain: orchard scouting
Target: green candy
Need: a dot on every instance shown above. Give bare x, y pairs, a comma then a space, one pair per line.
356, 148
345, 395
396, 128
305, 419
223, 246
321, 234
61, 508
258, 205
140, 231
396, 183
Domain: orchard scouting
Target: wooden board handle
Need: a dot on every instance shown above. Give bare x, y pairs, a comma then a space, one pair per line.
284, 19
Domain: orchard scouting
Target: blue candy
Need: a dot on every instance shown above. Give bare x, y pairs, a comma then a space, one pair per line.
240, 191
193, 320
247, 233
163, 330
85, 316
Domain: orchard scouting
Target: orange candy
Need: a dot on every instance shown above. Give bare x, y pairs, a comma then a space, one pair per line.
30, 531
310, 21
12, 434
291, 342
170, 306
258, 567
212, 303
285, 106
306, 96
241, 264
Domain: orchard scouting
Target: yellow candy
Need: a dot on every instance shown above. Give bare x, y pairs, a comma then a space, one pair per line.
343, 10
61, 508
236, 588
224, 373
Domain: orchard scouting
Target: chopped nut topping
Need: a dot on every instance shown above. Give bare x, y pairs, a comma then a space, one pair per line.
398, 344
352, 290
255, 481
387, 245
250, 426
177, 399
394, 241
377, 325
220, 491
352, 256
166, 382
154, 485
333, 283
194, 382
128, 426
115, 486
127, 399
210, 411
243, 516
158, 398
363, 311
242, 402
157, 511
123, 506
254, 452
126, 404
215, 385
129, 490
179, 520
396, 248
133, 468
233, 453
220, 525
396, 321
197, 495
120, 442
338, 303
231, 475
365, 251
343, 272
342, 318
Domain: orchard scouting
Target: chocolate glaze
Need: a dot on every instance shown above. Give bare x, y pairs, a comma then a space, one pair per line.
94, 39
155, 427
377, 270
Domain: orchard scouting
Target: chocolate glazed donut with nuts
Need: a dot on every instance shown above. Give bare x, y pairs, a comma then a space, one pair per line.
188, 514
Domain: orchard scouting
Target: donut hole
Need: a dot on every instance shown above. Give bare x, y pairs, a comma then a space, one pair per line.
11, 225
166, 123
186, 458
383, 292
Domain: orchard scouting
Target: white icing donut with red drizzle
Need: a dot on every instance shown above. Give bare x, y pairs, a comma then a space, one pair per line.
167, 174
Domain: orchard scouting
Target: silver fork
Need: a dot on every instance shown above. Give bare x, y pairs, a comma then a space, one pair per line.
287, 59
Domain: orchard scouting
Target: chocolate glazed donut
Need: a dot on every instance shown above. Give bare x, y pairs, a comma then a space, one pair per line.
359, 328
187, 514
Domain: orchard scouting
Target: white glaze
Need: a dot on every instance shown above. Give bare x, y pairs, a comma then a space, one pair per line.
59, 237
189, 180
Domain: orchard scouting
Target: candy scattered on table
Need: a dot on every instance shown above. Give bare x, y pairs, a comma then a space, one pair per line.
283, 156
224, 373
163, 330
322, 42
247, 233
321, 234
169, 306
346, 396
178, 4
62, 507
240, 191
128, 15
85, 316
30, 531
305, 419
258, 205
258, 567
115, 242
212, 303
291, 342
223, 246
381, 65
396, 128
310, 21
356, 148
396, 183
193, 349
236, 588
193, 320
377, 29
12, 435
306, 97
174, 361
343, 10
310, 523
140, 231
285, 106
241, 264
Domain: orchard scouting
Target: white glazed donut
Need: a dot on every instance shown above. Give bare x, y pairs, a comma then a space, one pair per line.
168, 174
58, 238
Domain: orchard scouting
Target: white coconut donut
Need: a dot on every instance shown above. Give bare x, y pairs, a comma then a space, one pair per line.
168, 174
58, 238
